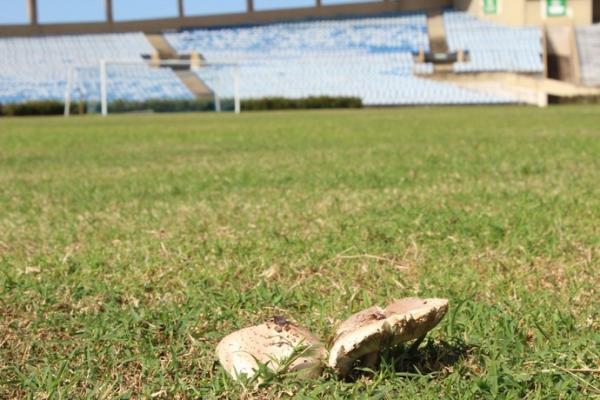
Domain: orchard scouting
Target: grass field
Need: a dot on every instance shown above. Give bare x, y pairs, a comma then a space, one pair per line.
130, 246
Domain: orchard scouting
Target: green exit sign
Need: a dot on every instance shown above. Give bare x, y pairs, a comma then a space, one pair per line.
556, 8
490, 6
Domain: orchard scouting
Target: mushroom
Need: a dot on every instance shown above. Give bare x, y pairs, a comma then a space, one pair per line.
412, 318
278, 343
361, 337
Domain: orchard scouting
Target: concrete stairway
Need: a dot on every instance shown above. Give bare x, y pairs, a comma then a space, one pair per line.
195, 84
187, 77
161, 45
437, 32
437, 37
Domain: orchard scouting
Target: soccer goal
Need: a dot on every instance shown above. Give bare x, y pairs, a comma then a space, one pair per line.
154, 86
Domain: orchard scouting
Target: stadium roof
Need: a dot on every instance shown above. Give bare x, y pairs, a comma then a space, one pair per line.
60, 11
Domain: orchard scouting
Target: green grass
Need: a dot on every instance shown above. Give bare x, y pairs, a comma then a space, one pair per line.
130, 246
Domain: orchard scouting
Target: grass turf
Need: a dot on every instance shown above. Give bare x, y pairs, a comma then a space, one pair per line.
129, 246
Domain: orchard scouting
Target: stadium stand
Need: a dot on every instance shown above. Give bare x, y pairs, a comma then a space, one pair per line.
588, 45
37, 69
371, 58
492, 47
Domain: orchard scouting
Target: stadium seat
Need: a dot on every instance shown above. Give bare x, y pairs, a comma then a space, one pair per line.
370, 58
492, 47
354, 36
588, 45
22, 77
377, 80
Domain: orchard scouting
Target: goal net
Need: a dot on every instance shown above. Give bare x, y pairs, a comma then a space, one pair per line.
115, 86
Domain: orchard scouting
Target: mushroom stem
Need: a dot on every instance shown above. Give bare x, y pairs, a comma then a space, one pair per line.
415, 346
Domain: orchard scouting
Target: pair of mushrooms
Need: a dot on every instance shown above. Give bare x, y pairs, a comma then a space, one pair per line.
279, 343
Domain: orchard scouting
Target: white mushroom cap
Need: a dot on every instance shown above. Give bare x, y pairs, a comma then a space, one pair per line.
272, 344
365, 333
412, 318
360, 335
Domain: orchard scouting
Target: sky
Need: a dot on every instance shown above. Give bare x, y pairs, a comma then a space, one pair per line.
54, 11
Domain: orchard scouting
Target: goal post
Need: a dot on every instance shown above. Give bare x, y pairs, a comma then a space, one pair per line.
103, 88
171, 84
68, 90
155, 81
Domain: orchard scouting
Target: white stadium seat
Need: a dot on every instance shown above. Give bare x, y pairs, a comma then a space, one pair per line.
588, 45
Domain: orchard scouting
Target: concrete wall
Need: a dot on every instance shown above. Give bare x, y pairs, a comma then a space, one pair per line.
562, 53
530, 12
510, 12
579, 13
559, 40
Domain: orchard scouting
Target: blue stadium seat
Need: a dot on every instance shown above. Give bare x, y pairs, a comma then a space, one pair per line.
37, 68
378, 80
356, 36
370, 58
493, 47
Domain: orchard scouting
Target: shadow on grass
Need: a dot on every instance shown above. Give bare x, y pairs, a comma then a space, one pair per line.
429, 358
433, 358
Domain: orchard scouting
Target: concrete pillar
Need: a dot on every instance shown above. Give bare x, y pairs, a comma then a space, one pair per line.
181, 8
421, 57
33, 12
195, 60
318, 3
155, 59
249, 5
108, 10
